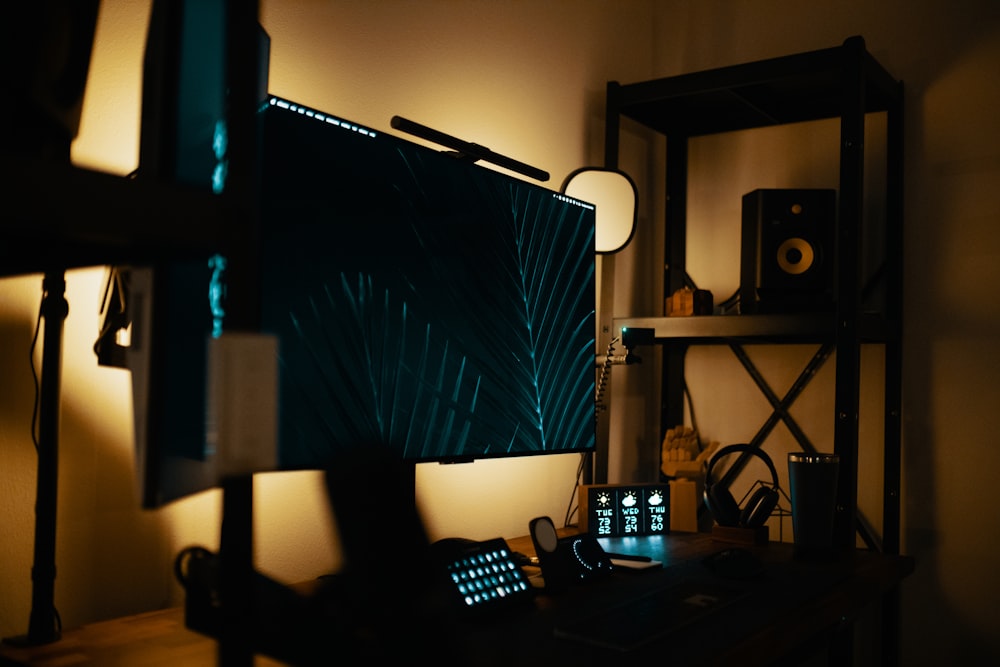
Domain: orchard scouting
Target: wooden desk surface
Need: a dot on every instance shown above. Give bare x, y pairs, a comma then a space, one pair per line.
793, 603
793, 606
152, 639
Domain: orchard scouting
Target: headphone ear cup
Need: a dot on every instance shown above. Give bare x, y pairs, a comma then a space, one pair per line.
723, 506
759, 507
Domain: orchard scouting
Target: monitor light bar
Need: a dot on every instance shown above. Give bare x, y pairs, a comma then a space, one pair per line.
575, 202
322, 117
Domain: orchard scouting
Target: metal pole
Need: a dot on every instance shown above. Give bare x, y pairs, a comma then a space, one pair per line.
43, 624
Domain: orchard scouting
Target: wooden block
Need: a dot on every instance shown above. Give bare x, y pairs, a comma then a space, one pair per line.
684, 495
687, 301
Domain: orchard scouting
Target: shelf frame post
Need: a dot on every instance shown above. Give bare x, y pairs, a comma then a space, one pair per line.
848, 288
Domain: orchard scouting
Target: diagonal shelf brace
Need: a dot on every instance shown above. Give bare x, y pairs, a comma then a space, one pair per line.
780, 407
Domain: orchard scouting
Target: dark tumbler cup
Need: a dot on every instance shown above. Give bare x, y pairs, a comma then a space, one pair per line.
812, 479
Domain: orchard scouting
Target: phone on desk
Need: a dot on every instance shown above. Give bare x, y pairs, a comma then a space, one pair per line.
484, 576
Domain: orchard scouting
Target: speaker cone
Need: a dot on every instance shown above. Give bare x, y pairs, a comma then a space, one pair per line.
795, 256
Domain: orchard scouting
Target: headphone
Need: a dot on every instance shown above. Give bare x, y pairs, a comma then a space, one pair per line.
723, 506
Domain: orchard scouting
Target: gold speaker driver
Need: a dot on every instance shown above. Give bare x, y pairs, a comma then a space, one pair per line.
795, 256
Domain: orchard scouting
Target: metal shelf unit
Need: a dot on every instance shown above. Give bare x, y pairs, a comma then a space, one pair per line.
842, 82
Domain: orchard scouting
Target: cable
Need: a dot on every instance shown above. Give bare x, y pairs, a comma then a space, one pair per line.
691, 416
602, 381
571, 509
731, 304
34, 375
112, 308
599, 407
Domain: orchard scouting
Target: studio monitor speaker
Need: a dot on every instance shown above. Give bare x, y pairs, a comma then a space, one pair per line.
788, 254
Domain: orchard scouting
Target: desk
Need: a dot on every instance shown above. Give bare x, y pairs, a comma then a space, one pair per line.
151, 639
794, 607
793, 610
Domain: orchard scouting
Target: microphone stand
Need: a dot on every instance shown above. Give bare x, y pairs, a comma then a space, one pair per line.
43, 623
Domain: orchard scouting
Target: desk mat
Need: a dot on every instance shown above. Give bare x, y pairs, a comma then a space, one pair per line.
652, 616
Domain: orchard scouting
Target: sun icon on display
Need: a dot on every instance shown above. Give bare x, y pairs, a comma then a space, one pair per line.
629, 499
603, 499
656, 498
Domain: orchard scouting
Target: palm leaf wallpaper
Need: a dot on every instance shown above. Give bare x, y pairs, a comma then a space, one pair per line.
423, 302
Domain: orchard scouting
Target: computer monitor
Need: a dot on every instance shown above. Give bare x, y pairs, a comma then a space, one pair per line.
421, 302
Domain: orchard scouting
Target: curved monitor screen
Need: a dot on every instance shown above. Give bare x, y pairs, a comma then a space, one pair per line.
419, 301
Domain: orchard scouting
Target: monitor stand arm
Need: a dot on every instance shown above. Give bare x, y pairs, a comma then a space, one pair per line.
236, 574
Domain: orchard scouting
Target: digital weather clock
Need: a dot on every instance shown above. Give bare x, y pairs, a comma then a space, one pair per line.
623, 510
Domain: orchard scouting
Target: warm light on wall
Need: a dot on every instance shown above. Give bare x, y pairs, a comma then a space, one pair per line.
108, 139
364, 62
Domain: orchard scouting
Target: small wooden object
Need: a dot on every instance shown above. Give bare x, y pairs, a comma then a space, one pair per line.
687, 301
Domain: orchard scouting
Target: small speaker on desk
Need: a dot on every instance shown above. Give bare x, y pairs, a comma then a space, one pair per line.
788, 250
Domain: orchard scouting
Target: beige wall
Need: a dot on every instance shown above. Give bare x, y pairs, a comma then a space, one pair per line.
946, 53
527, 78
